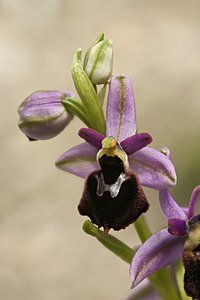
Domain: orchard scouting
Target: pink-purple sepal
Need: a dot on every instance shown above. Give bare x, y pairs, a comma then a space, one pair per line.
177, 227
120, 111
92, 137
136, 142
160, 250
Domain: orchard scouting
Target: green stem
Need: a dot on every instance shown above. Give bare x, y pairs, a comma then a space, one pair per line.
110, 242
142, 229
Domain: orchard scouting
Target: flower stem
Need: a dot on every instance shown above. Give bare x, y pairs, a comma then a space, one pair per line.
110, 242
142, 229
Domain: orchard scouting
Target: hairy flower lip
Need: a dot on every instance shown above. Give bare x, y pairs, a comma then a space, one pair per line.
112, 207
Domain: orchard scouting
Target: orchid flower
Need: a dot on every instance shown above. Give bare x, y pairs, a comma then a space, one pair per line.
167, 245
124, 159
116, 162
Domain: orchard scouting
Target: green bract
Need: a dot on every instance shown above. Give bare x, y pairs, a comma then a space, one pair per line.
91, 105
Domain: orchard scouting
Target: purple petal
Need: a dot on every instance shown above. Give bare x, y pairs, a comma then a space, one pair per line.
91, 136
193, 201
79, 160
160, 250
136, 142
185, 210
120, 112
169, 206
153, 168
177, 227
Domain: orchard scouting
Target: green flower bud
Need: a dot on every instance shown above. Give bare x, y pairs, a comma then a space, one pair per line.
98, 61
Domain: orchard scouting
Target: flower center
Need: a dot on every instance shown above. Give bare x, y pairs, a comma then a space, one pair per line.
116, 156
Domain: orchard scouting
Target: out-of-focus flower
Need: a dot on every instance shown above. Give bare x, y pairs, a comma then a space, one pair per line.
43, 116
98, 62
167, 245
190, 228
123, 150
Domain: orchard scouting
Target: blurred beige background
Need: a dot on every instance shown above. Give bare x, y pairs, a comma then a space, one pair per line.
44, 254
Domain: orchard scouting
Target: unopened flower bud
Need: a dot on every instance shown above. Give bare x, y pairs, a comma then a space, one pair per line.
43, 116
98, 62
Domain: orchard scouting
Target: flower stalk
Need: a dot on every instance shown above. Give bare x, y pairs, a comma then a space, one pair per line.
110, 242
142, 229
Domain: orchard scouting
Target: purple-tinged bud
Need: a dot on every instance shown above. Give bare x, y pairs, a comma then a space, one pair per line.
43, 116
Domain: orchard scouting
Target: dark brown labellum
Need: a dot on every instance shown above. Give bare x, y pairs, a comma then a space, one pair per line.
112, 198
191, 259
191, 262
